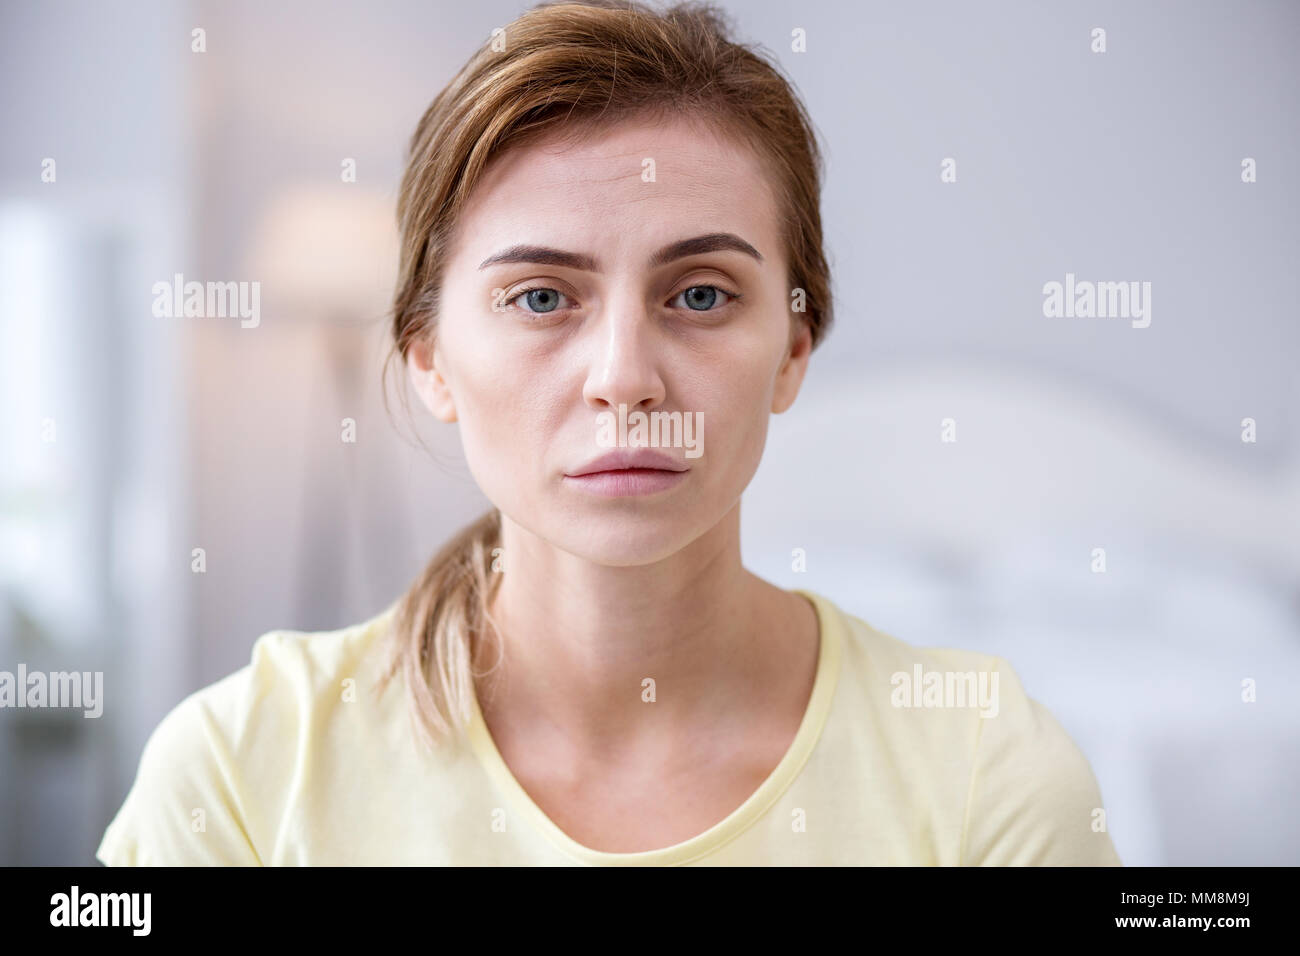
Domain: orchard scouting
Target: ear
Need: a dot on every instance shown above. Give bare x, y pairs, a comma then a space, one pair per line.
790, 375
422, 362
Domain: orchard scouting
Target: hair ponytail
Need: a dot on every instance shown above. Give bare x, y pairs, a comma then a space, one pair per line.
438, 627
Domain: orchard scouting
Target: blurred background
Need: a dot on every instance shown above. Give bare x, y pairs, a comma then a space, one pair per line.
129, 440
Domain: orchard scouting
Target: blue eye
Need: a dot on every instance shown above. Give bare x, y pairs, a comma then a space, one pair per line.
540, 299
701, 298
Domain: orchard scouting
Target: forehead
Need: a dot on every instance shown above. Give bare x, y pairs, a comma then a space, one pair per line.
626, 187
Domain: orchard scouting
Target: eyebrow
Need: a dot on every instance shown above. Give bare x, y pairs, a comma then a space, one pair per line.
543, 255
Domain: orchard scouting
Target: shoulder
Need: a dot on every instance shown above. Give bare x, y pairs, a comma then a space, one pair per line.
878, 652
215, 774
1029, 794
291, 676
894, 677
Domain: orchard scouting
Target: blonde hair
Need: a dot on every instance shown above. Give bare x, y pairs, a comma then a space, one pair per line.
569, 67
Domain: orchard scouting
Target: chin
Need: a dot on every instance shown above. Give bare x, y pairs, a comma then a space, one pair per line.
620, 539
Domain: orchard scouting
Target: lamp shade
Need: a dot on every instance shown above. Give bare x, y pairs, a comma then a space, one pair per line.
325, 253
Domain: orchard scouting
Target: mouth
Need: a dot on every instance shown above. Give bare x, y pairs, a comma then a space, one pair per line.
627, 481
631, 472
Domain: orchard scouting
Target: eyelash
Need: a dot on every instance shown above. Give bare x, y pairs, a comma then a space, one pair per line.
735, 297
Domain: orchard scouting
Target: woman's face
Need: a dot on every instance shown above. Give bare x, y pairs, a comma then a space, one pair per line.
622, 318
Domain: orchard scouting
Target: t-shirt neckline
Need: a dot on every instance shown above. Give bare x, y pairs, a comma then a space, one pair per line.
805, 739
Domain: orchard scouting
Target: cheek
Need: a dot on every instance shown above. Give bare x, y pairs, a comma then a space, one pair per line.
735, 395
506, 403
498, 415
740, 374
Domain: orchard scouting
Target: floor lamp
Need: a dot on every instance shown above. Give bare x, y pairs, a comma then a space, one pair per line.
326, 256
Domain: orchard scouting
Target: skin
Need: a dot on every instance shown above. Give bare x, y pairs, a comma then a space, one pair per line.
600, 593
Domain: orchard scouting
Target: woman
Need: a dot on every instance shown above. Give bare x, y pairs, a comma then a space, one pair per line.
610, 213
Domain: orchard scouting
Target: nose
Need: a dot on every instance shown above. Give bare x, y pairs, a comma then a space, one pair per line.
625, 366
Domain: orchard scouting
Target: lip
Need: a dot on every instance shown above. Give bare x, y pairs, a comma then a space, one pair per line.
627, 481
639, 459
631, 472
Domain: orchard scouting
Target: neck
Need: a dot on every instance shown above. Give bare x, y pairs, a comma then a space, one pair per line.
580, 639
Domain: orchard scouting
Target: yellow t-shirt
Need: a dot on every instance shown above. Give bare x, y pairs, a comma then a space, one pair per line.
284, 763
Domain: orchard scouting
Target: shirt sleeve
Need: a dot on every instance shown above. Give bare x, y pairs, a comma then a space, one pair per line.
1034, 800
185, 807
